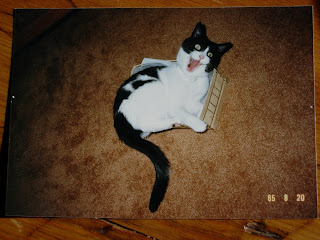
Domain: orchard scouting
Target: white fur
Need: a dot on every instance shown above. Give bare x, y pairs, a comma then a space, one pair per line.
175, 99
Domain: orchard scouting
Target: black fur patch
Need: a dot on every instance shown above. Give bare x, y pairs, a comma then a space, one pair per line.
139, 83
121, 95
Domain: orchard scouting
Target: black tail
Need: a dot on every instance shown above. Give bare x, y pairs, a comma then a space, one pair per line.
132, 138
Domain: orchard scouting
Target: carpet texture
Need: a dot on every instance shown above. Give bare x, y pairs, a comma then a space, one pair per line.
65, 157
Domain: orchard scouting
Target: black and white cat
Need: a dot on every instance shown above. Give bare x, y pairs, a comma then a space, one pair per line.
157, 98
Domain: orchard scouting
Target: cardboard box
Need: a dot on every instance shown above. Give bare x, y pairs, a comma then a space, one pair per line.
213, 104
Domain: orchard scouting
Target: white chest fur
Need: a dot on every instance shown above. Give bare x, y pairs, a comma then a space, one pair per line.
183, 90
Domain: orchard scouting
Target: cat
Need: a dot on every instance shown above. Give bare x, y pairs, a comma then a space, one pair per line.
157, 98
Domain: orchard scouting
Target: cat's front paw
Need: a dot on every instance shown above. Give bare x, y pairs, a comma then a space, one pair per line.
200, 126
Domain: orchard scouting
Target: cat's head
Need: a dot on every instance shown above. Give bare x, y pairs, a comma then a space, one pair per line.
198, 56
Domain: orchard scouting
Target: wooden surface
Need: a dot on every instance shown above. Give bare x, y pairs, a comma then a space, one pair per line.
49, 228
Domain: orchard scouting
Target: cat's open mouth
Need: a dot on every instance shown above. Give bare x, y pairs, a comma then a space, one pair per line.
193, 64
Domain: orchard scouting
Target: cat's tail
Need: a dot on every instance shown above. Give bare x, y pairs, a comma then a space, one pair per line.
132, 138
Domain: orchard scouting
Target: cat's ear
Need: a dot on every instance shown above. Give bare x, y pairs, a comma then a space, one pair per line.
199, 30
224, 47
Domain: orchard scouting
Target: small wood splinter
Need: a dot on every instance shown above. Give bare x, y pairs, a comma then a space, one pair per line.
257, 228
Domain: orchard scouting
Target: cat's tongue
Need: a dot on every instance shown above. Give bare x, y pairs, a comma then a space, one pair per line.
193, 64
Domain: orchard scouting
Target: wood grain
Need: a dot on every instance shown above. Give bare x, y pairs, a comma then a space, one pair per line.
57, 228
47, 228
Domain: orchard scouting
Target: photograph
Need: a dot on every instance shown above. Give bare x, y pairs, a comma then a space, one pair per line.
162, 113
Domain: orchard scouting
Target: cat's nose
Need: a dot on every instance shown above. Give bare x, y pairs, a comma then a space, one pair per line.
201, 57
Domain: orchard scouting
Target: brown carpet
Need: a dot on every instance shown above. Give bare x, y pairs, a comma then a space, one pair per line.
66, 159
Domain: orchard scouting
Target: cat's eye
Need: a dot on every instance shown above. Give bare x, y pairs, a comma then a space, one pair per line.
210, 55
197, 46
